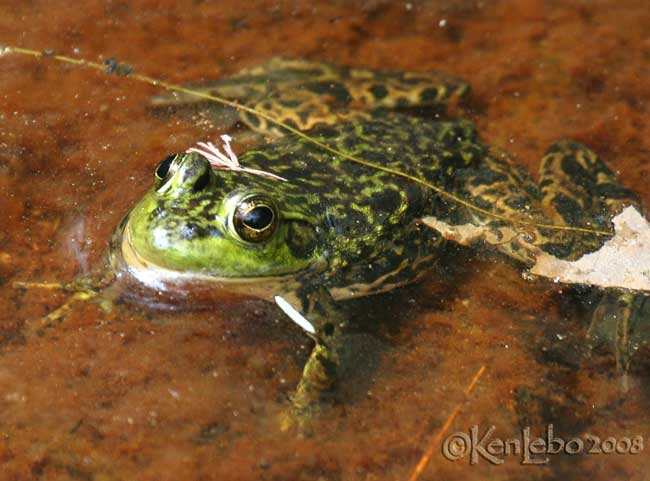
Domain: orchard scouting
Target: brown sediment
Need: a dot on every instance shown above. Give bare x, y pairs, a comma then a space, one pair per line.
138, 394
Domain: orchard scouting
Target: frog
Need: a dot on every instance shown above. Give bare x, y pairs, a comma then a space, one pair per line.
333, 230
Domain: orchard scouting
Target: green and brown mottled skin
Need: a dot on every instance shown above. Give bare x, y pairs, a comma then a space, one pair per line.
336, 229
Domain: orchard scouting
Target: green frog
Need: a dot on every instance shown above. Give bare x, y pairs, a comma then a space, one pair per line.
334, 230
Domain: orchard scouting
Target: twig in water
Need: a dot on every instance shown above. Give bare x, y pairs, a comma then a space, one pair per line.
437, 439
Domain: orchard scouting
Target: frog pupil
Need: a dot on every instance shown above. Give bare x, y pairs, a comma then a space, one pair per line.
163, 166
258, 218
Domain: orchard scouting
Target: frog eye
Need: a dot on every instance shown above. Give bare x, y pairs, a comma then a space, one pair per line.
255, 219
163, 167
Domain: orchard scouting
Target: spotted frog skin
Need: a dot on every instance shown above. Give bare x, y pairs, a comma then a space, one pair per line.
337, 230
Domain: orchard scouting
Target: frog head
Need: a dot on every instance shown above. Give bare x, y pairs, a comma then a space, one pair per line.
221, 224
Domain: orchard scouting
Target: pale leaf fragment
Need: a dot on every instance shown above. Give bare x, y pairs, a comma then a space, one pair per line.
468, 234
623, 261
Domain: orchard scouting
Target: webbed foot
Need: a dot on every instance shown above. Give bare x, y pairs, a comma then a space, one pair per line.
82, 289
621, 324
299, 421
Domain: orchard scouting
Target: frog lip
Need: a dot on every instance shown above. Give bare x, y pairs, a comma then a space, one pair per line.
151, 273
139, 271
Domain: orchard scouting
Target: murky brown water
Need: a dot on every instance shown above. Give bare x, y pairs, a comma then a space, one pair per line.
133, 394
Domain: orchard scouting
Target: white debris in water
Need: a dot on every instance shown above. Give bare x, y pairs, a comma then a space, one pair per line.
623, 261
294, 315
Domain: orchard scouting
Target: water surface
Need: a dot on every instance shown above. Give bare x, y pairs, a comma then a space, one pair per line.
140, 394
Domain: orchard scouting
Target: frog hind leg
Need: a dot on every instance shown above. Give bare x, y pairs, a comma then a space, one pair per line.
495, 182
300, 110
359, 88
373, 89
575, 188
274, 86
247, 84
354, 88
578, 189
304, 94
336, 94
320, 374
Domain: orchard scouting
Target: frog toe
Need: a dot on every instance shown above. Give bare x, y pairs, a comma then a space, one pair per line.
621, 324
299, 420
57, 316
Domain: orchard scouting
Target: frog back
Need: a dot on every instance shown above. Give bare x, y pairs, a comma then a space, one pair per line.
369, 218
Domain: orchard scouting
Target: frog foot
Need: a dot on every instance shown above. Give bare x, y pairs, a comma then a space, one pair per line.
58, 315
82, 289
621, 323
318, 379
299, 420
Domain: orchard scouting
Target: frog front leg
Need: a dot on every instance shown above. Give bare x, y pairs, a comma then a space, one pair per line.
320, 374
90, 287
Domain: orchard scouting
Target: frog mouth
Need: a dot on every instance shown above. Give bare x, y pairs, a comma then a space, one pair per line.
162, 279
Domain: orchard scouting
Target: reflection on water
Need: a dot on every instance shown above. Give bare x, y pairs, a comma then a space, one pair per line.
77, 244
139, 393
